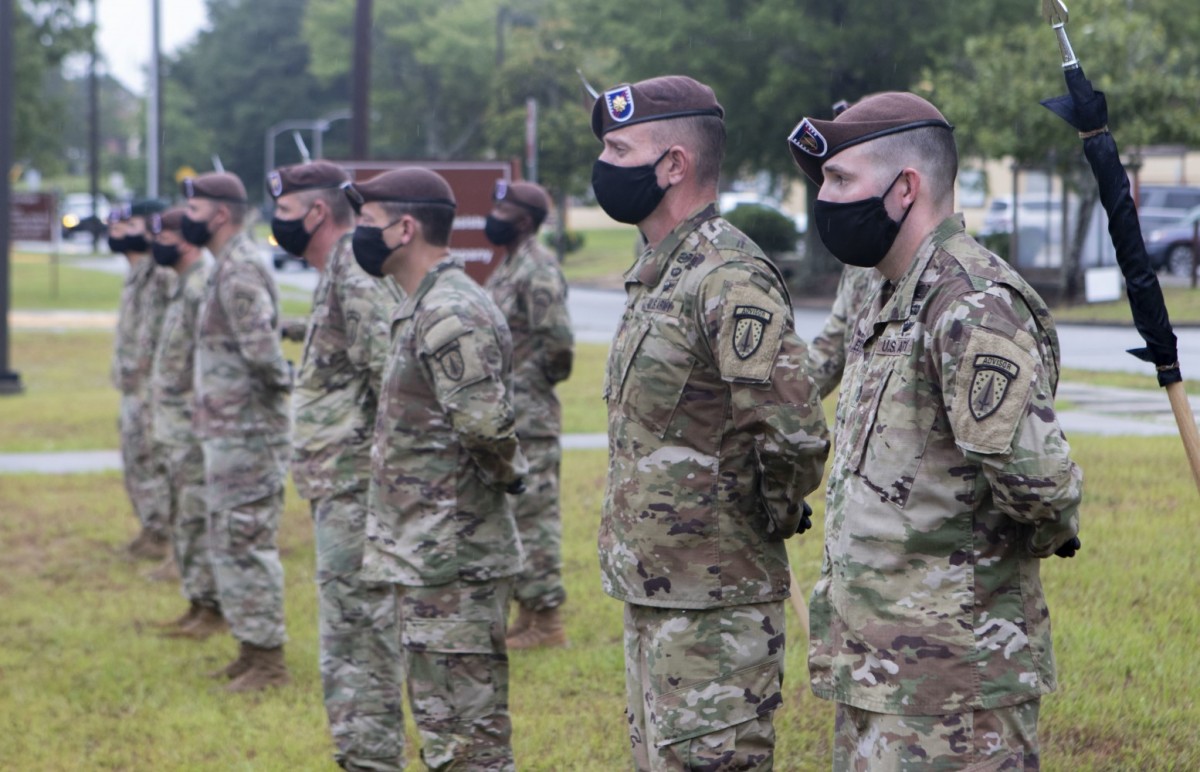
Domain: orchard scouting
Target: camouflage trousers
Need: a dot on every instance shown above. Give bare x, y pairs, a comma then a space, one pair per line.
361, 660
702, 686
189, 523
244, 484
539, 586
980, 741
457, 668
144, 472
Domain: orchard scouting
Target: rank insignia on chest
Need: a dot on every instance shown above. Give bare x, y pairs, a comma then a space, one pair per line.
993, 376
451, 360
750, 323
620, 103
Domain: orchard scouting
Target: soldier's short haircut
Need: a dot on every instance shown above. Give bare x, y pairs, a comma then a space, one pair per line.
335, 199
237, 211
704, 135
930, 150
436, 220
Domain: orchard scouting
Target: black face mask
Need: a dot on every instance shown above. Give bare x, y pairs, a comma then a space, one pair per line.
858, 233
116, 244
370, 250
195, 232
165, 255
137, 244
500, 232
291, 235
628, 194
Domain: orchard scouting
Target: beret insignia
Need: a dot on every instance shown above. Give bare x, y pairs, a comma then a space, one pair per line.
276, 184
809, 140
620, 103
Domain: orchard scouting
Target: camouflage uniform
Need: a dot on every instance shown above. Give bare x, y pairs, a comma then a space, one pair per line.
242, 418
439, 524
144, 297
531, 292
715, 436
827, 351
951, 480
336, 393
172, 388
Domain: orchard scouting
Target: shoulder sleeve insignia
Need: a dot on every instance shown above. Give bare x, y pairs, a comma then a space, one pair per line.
992, 390
451, 361
750, 322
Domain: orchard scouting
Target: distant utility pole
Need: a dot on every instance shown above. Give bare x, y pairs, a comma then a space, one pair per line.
154, 103
10, 382
360, 123
94, 131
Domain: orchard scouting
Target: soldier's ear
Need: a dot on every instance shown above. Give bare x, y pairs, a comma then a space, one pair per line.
677, 164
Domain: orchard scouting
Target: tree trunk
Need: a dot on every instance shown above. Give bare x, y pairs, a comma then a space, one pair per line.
1071, 283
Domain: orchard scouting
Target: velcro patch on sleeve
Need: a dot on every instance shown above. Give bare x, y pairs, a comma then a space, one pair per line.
992, 391
454, 355
751, 329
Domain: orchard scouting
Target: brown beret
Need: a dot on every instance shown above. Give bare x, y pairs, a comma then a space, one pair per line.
309, 176
218, 186
410, 185
170, 220
528, 195
814, 141
657, 99
147, 207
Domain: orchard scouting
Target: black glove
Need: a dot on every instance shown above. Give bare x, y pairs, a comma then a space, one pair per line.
805, 518
1069, 549
515, 487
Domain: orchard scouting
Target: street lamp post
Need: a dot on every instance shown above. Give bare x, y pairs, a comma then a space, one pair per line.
10, 382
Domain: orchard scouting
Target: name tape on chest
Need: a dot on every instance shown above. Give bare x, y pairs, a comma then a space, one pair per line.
894, 347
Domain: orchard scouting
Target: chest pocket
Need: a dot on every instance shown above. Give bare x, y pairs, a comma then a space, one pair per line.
893, 428
648, 370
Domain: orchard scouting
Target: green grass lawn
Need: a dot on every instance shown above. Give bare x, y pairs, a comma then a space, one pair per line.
34, 277
1183, 305
86, 684
605, 255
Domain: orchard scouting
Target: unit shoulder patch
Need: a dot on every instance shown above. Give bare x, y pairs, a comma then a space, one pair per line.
991, 391
751, 330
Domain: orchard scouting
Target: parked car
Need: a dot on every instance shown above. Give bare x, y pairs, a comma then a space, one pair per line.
1169, 245
1035, 210
1167, 202
76, 215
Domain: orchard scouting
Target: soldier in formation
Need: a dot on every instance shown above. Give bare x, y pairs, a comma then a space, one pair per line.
242, 419
144, 298
334, 406
440, 527
716, 435
952, 478
529, 288
182, 456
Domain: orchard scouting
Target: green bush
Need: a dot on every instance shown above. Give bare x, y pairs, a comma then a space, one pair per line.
572, 241
773, 231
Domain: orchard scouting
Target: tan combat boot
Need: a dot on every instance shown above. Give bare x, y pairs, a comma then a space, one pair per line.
149, 546
208, 622
181, 621
521, 623
266, 670
240, 664
545, 630
166, 571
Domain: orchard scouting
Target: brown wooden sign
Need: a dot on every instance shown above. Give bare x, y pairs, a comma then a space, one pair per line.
473, 183
31, 216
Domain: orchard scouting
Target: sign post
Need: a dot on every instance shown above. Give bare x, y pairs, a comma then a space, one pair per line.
10, 382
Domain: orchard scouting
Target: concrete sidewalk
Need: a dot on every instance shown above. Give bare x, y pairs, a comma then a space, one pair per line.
1095, 410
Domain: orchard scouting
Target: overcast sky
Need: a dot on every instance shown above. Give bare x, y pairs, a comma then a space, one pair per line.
125, 33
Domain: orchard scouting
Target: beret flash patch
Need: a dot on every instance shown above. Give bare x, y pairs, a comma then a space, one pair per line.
808, 139
276, 183
620, 103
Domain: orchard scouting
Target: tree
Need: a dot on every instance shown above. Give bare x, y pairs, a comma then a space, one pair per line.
433, 64
247, 72
991, 90
45, 33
